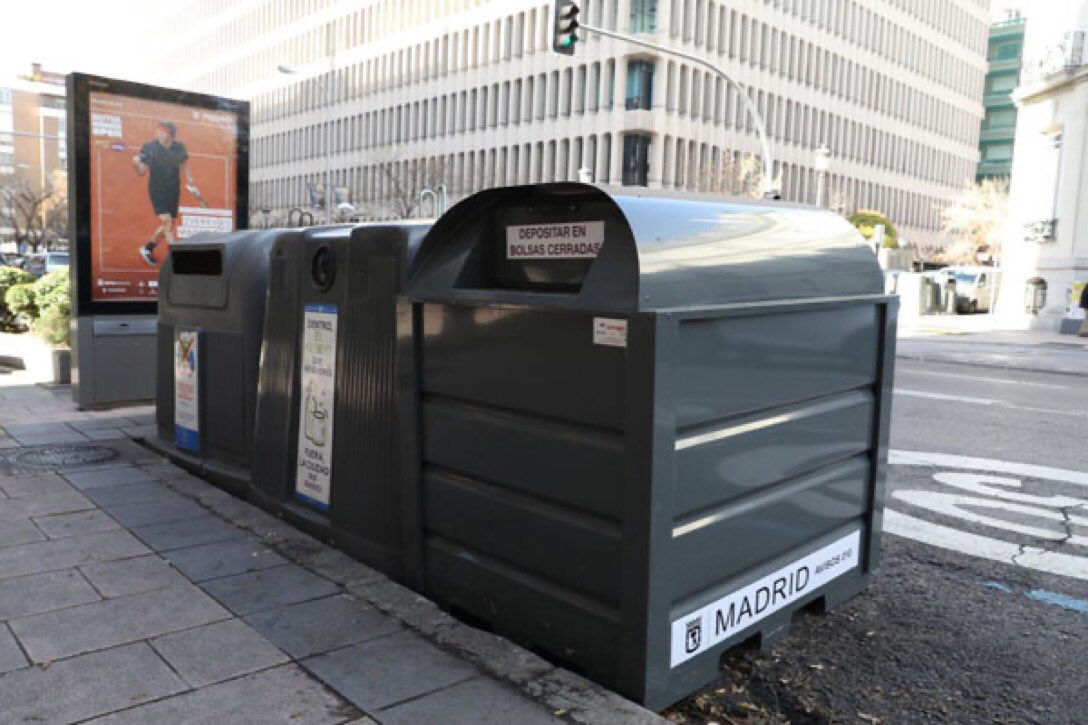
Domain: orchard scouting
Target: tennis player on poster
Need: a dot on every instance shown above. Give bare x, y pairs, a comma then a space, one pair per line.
165, 161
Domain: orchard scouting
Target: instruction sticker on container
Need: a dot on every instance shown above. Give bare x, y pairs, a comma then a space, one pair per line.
315, 425
739, 610
187, 390
561, 240
609, 331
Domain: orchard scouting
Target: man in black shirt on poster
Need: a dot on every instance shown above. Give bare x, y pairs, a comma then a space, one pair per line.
165, 160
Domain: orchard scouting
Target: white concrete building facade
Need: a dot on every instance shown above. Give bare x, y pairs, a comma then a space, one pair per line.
467, 93
1046, 242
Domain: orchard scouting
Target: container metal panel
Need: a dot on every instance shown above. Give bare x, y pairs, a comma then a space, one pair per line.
735, 365
533, 612
765, 524
532, 362
740, 456
575, 465
548, 541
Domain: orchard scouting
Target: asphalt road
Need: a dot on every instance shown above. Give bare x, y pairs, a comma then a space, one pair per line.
979, 609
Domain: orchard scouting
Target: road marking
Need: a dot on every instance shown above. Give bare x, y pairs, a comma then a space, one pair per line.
988, 401
983, 547
1062, 600
978, 378
923, 458
990, 491
944, 396
954, 505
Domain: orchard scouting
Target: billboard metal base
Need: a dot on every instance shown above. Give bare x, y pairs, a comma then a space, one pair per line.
113, 360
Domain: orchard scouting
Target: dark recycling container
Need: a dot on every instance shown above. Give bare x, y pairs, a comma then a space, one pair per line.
211, 309
326, 436
639, 429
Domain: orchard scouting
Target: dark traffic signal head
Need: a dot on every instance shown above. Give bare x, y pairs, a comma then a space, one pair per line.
565, 27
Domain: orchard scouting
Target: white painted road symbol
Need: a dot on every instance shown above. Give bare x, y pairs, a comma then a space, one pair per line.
991, 494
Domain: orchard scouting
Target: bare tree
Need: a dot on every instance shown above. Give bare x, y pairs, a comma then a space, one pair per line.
740, 175
406, 178
36, 214
839, 202
973, 222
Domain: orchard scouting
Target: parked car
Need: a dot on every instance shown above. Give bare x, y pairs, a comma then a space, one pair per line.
45, 262
55, 261
12, 259
976, 288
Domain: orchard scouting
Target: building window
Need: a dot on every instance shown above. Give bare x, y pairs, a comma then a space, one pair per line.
640, 81
997, 152
1004, 118
643, 16
636, 159
1005, 51
1001, 83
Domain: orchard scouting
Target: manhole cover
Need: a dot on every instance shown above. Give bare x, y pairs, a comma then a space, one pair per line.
60, 456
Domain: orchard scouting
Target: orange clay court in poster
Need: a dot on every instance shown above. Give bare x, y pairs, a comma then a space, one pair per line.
159, 172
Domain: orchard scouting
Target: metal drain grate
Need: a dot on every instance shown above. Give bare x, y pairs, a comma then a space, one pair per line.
56, 456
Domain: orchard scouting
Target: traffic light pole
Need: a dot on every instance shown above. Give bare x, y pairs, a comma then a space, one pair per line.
757, 120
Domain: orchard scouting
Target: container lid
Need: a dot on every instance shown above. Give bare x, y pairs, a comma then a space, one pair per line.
615, 248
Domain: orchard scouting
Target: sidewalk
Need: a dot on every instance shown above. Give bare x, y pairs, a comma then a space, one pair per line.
981, 341
133, 592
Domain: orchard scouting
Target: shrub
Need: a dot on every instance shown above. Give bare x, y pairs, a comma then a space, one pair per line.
20, 302
51, 291
52, 326
51, 294
10, 277
866, 220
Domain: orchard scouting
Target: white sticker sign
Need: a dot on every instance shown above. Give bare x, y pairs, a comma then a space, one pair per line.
609, 331
315, 426
739, 610
561, 240
187, 390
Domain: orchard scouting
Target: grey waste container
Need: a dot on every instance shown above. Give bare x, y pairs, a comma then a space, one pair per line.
642, 429
211, 307
325, 441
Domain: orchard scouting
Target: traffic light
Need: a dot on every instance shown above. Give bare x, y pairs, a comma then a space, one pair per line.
565, 27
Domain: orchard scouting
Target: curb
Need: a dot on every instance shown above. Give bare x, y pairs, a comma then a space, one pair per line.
993, 366
566, 695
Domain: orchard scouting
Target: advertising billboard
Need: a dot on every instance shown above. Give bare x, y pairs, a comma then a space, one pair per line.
151, 166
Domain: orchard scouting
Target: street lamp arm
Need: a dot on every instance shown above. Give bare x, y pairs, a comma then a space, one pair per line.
757, 120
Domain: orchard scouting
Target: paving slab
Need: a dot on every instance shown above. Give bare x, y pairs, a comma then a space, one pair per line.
58, 502
77, 523
107, 476
11, 655
206, 529
46, 483
16, 529
41, 556
71, 436
132, 576
278, 586
27, 429
281, 695
217, 652
113, 622
105, 434
321, 625
127, 493
142, 513
480, 701
86, 686
385, 671
93, 424
211, 561
44, 592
